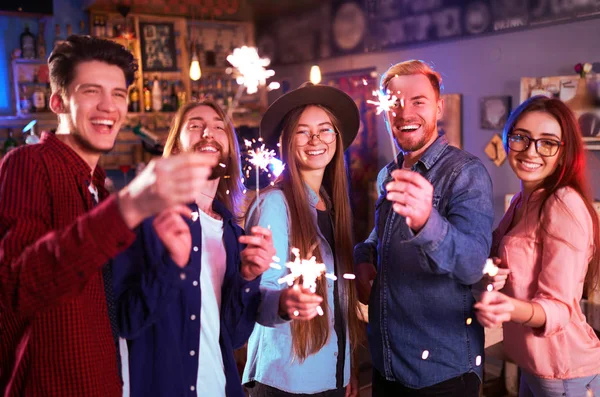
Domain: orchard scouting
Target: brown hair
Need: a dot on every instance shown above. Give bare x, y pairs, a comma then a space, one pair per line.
80, 48
570, 172
308, 337
230, 188
413, 67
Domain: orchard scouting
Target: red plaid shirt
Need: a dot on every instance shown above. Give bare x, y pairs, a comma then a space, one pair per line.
55, 335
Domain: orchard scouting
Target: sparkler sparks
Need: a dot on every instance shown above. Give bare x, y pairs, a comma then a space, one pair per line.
385, 102
251, 68
490, 268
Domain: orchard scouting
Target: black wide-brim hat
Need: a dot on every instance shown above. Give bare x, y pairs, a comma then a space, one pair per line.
338, 102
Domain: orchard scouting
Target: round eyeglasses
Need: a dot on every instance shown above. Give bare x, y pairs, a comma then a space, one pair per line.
326, 136
545, 147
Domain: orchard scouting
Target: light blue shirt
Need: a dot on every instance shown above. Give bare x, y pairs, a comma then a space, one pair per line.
270, 357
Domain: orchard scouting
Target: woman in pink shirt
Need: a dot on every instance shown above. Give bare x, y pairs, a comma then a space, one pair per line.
549, 240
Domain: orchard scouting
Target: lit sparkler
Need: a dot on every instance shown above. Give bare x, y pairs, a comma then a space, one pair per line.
385, 103
251, 68
309, 269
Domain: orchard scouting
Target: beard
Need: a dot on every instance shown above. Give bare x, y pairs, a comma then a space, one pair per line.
218, 170
412, 145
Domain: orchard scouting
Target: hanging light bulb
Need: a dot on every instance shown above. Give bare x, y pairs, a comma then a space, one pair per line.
315, 74
195, 72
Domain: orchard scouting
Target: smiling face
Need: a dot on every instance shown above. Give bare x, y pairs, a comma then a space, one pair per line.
314, 154
529, 166
94, 107
414, 119
203, 131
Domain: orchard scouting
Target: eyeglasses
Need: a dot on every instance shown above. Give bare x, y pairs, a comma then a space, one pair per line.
544, 147
326, 136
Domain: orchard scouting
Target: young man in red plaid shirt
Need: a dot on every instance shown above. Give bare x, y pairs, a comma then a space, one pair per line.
59, 229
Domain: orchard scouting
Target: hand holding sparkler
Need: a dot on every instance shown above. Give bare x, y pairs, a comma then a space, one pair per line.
258, 255
494, 275
300, 302
412, 197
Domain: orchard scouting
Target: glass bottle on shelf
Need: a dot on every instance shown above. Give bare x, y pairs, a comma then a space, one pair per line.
24, 101
39, 99
69, 30
10, 143
156, 95
181, 95
28, 48
48, 95
166, 96
134, 98
41, 43
147, 96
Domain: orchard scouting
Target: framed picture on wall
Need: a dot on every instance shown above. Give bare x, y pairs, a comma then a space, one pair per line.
158, 47
451, 122
494, 111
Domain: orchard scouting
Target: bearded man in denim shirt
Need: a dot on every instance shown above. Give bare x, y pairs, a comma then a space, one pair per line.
432, 235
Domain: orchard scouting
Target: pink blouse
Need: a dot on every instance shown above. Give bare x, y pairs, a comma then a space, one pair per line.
550, 271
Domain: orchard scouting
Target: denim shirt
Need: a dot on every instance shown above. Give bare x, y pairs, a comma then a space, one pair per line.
421, 298
270, 358
159, 311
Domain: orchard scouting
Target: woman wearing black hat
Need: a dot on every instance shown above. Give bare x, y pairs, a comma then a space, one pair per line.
303, 341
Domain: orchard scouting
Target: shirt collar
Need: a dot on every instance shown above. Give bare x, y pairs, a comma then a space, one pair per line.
429, 157
73, 160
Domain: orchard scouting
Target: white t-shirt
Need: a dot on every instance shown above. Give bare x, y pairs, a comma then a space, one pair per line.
211, 373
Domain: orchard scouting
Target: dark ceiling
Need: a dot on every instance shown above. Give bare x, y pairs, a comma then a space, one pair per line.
270, 9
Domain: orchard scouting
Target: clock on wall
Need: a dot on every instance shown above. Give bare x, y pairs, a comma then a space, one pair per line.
349, 26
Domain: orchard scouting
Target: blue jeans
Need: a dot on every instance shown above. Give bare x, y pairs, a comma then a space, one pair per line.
533, 386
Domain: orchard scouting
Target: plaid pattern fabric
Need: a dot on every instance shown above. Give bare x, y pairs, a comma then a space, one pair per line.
55, 333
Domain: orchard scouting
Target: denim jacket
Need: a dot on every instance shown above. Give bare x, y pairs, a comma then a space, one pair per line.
422, 327
270, 360
159, 307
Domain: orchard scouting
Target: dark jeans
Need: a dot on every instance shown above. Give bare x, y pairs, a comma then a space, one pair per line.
257, 389
465, 385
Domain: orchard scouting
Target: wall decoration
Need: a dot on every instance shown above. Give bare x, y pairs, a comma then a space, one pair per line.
158, 47
451, 122
494, 111
579, 93
495, 150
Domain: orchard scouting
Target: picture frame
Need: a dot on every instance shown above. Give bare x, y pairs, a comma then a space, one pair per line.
158, 47
494, 111
450, 124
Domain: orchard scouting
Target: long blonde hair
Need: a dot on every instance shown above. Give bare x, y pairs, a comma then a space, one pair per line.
230, 188
308, 337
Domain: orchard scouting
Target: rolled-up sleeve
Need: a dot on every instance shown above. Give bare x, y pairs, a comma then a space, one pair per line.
271, 212
566, 250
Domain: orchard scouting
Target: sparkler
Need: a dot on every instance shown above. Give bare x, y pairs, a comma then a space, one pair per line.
385, 103
252, 72
260, 158
309, 269
490, 269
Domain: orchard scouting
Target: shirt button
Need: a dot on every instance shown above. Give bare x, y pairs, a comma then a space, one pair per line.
193, 317
192, 353
335, 354
195, 283
192, 388
195, 249
182, 276
247, 290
